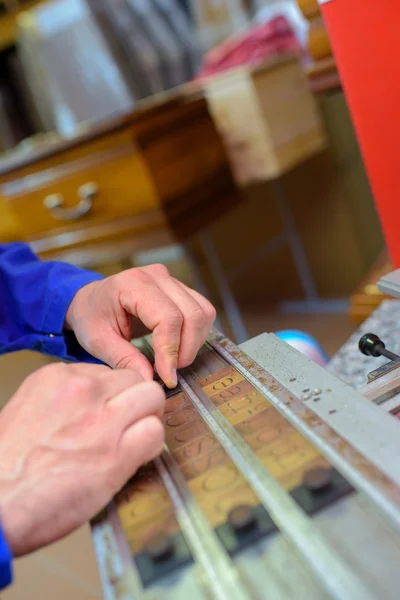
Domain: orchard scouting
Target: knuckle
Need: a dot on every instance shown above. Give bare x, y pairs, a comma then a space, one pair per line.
175, 318
159, 270
138, 276
211, 313
114, 282
81, 386
197, 317
122, 363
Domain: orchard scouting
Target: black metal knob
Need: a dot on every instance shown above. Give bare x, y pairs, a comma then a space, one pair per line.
371, 345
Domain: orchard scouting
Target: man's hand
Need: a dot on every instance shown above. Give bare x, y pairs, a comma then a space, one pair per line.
70, 438
101, 317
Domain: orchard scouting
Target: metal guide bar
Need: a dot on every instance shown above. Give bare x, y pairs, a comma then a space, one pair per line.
222, 576
338, 581
118, 573
383, 370
387, 396
360, 482
131, 578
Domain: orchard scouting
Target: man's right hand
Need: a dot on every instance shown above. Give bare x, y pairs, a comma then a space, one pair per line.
70, 438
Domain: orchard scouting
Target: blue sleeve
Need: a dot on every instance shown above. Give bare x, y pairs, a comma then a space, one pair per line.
34, 299
6, 573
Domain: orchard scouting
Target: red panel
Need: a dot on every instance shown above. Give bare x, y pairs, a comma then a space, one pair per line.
365, 36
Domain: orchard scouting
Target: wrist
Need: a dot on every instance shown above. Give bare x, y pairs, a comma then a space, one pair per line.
74, 308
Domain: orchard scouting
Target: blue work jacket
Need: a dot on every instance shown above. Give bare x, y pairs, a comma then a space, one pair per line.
34, 299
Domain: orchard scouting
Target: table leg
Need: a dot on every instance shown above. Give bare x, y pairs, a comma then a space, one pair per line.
229, 303
312, 303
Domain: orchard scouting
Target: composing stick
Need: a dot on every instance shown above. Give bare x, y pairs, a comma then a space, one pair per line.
246, 462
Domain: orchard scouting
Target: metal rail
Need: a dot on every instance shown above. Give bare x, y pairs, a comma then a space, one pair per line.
223, 580
221, 576
371, 489
329, 569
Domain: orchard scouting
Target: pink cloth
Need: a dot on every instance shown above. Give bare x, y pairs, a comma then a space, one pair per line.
251, 48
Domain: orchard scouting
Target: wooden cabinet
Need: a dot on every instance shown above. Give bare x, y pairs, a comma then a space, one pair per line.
367, 297
156, 176
88, 191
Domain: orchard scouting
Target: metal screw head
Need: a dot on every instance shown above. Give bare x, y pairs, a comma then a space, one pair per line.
160, 548
242, 519
318, 479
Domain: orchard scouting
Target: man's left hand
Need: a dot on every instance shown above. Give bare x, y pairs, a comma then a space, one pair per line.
105, 316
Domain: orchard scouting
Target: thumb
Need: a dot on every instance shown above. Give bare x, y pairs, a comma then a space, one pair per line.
120, 354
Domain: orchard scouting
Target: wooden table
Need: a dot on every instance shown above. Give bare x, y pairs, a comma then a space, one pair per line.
367, 297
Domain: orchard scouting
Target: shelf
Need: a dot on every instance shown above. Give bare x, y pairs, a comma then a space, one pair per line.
8, 24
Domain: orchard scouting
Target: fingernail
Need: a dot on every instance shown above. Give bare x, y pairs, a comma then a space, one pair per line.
174, 379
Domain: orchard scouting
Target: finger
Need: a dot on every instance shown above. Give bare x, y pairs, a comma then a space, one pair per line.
194, 320
115, 382
143, 400
162, 316
101, 384
209, 309
121, 354
210, 314
140, 443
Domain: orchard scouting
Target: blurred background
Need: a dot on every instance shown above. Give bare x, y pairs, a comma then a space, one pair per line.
209, 135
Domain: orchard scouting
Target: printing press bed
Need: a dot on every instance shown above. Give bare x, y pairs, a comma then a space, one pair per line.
278, 480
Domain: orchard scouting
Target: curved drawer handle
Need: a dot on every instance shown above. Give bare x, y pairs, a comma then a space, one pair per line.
55, 202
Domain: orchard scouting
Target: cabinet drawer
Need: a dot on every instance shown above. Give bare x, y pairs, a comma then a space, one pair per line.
95, 189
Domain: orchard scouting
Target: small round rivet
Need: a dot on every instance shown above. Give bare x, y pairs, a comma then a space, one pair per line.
318, 479
242, 519
160, 548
